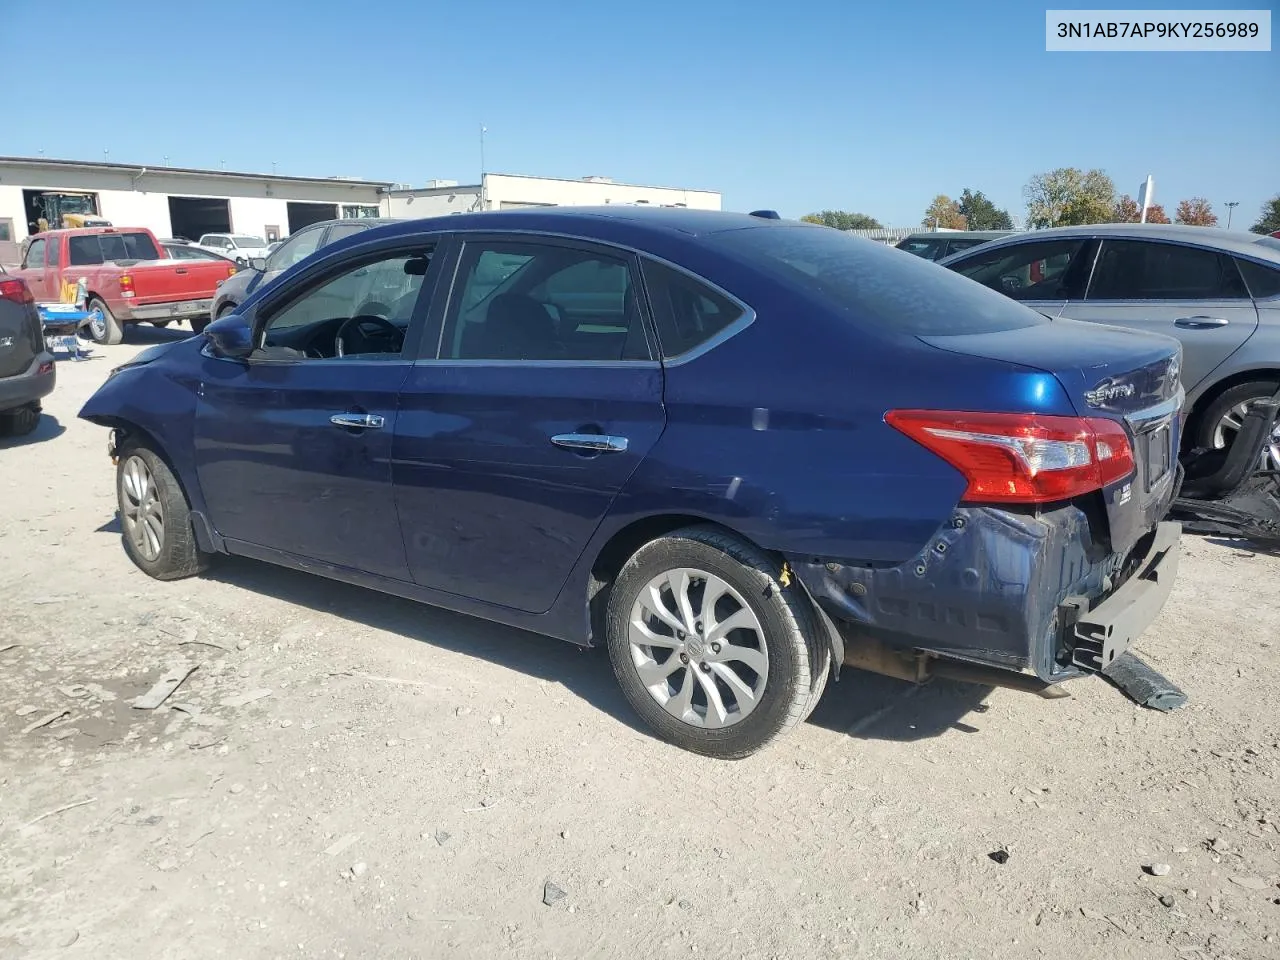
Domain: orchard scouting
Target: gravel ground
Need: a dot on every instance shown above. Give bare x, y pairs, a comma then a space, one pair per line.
345, 774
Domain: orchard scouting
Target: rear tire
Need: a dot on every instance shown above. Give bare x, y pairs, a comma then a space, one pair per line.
1217, 426
725, 694
155, 518
198, 324
106, 331
20, 422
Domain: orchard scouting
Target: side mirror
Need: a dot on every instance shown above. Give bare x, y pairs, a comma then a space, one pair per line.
258, 263
230, 337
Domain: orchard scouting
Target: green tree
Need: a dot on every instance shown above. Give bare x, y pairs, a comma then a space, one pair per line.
1269, 222
1069, 196
944, 213
843, 220
1196, 212
981, 214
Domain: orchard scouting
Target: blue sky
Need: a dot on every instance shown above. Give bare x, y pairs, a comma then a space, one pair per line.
798, 106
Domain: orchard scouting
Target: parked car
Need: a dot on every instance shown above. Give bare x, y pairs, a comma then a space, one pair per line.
186, 251
1217, 291
737, 451
235, 290
234, 246
125, 284
27, 373
934, 245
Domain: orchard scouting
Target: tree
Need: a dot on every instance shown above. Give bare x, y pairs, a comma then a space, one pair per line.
842, 220
945, 213
1156, 214
981, 214
1196, 212
1126, 210
1069, 196
1269, 222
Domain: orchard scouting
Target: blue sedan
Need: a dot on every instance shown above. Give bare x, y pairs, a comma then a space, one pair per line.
735, 450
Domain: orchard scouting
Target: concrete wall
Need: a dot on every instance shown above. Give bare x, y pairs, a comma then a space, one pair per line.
504, 189
133, 198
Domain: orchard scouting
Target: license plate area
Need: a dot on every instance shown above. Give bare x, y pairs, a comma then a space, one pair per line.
1159, 454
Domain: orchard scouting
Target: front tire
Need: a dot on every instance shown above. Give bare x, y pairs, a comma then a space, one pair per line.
155, 517
20, 422
709, 646
103, 328
1221, 421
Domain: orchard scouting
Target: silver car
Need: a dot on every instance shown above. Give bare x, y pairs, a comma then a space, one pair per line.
1217, 291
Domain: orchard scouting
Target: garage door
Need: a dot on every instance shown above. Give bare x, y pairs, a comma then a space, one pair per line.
190, 218
304, 214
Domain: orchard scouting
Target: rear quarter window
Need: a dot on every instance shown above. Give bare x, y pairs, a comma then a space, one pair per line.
686, 312
876, 285
1263, 281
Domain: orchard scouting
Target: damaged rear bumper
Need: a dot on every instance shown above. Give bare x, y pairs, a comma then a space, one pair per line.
1019, 591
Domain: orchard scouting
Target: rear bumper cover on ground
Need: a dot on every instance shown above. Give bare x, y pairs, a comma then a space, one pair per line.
1021, 591
31, 384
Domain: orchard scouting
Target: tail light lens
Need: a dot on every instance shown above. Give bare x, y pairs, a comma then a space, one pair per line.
1022, 458
232, 270
126, 285
16, 290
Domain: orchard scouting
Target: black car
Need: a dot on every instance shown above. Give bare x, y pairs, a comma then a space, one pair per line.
26, 366
934, 245
235, 290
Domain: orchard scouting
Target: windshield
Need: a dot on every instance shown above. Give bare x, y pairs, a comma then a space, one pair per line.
878, 285
248, 241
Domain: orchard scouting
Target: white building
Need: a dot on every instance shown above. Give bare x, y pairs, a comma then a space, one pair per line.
502, 191
181, 202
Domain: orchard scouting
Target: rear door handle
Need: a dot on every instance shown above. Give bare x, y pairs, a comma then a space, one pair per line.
358, 421
181, 271
1201, 323
590, 442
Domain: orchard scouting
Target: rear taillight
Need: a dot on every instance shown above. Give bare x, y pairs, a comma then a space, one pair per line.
1022, 458
232, 270
126, 285
16, 290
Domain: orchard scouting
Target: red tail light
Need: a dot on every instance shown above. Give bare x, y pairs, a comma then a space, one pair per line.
1022, 458
126, 285
16, 290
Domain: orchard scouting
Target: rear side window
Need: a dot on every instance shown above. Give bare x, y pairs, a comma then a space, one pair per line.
84, 251
1039, 270
686, 313
875, 283
1141, 270
340, 231
1263, 281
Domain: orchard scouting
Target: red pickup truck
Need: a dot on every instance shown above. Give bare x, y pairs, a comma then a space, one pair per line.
127, 276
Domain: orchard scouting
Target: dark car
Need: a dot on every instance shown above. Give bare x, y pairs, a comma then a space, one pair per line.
726, 447
27, 372
298, 246
934, 245
1217, 291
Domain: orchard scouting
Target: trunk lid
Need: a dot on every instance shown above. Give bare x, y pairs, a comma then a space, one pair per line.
1112, 373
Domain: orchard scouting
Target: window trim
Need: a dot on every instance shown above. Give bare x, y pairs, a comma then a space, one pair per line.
628, 255
1103, 240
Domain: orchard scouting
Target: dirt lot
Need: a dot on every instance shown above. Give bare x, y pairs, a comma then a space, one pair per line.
349, 775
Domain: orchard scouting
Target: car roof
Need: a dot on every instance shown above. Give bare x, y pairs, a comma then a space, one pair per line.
1228, 241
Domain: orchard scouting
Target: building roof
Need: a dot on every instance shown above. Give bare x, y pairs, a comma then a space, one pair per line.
596, 181
134, 168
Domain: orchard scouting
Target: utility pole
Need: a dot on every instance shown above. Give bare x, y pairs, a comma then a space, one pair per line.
483, 131
1231, 208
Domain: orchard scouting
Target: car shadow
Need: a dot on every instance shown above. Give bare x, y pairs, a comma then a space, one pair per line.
46, 429
146, 333
860, 704
1245, 545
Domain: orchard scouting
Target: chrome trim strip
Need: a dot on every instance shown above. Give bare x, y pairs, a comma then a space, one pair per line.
593, 442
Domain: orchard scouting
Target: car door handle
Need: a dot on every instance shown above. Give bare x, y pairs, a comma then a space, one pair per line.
358, 421
590, 442
1201, 323
181, 271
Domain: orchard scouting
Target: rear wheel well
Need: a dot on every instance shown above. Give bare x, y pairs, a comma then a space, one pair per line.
620, 548
1218, 389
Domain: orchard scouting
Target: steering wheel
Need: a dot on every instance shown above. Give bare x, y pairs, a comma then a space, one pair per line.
366, 319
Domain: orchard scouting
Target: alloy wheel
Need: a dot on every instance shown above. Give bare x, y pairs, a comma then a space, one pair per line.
1228, 428
142, 509
698, 649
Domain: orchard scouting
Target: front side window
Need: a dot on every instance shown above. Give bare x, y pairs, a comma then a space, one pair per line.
35, 254
686, 312
365, 309
248, 243
298, 247
1142, 270
530, 301
1026, 271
